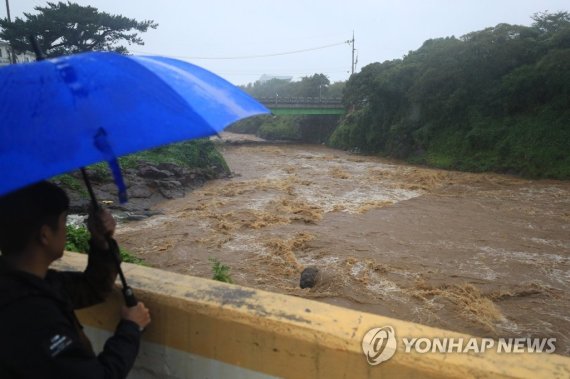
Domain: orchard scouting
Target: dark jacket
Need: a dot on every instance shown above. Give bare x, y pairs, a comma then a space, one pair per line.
40, 336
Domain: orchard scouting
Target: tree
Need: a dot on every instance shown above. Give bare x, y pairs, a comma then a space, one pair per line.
551, 22
494, 99
313, 86
68, 28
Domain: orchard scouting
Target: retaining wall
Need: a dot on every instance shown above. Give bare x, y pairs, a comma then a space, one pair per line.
207, 329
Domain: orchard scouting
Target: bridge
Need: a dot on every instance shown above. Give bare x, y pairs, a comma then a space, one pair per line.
288, 106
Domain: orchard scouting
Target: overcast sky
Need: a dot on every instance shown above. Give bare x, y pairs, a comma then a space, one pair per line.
383, 30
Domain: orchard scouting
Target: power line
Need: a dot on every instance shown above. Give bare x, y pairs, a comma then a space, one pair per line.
256, 56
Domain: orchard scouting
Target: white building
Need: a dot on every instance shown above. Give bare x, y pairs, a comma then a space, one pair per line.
264, 78
20, 58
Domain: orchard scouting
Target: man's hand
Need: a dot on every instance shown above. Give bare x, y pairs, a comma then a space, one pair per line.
139, 314
101, 225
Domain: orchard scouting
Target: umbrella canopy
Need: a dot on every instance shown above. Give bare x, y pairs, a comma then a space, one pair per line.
61, 114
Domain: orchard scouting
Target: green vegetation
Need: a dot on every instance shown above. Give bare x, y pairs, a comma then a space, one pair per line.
220, 272
78, 240
314, 129
311, 129
72, 183
249, 125
200, 154
280, 128
68, 28
317, 85
129, 258
497, 99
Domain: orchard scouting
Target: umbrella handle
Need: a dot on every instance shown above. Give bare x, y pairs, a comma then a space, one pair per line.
94, 202
128, 294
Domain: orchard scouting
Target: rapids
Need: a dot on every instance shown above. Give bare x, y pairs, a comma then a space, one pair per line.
485, 254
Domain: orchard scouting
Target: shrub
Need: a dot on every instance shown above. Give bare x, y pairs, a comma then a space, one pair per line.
78, 241
280, 128
220, 271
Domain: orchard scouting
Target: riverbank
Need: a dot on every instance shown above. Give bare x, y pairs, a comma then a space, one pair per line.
150, 177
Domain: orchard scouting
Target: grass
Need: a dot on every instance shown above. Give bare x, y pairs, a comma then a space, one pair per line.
200, 154
72, 183
220, 271
78, 241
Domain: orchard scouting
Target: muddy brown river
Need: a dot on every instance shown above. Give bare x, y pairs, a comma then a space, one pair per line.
483, 254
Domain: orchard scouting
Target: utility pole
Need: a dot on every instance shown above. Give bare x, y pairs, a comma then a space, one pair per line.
352, 41
12, 55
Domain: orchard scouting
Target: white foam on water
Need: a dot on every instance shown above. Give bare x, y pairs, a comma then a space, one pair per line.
504, 255
151, 222
275, 175
76, 220
508, 325
259, 203
246, 243
383, 286
357, 268
561, 276
552, 243
325, 261
475, 267
352, 200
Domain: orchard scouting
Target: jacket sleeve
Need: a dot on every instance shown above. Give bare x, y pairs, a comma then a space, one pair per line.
92, 286
115, 361
40, 341
46, 345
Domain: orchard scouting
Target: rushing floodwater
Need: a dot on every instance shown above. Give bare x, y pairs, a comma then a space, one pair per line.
478, 253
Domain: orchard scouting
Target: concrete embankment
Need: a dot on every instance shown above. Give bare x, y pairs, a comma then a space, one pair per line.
203, 328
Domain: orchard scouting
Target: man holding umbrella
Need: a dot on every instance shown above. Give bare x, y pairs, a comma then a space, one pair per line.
59, 115
39, 332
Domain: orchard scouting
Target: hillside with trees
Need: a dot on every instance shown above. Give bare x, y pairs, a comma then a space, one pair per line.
492, 100
315, 129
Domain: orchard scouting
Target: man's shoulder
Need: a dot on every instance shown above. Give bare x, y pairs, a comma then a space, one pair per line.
29, 304
14, 289
21, 291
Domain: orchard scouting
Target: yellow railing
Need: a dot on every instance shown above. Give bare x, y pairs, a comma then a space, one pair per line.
206, 328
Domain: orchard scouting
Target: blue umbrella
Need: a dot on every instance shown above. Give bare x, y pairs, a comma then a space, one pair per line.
61, 114
65, 113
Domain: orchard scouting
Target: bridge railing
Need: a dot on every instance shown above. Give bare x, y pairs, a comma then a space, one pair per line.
202, 328
301, 100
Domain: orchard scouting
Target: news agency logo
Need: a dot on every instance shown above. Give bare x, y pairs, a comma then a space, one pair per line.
379, 345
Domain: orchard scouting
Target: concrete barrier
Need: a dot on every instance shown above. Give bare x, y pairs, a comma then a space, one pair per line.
207, 329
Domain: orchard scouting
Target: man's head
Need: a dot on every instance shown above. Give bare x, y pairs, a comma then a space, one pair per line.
33, 215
